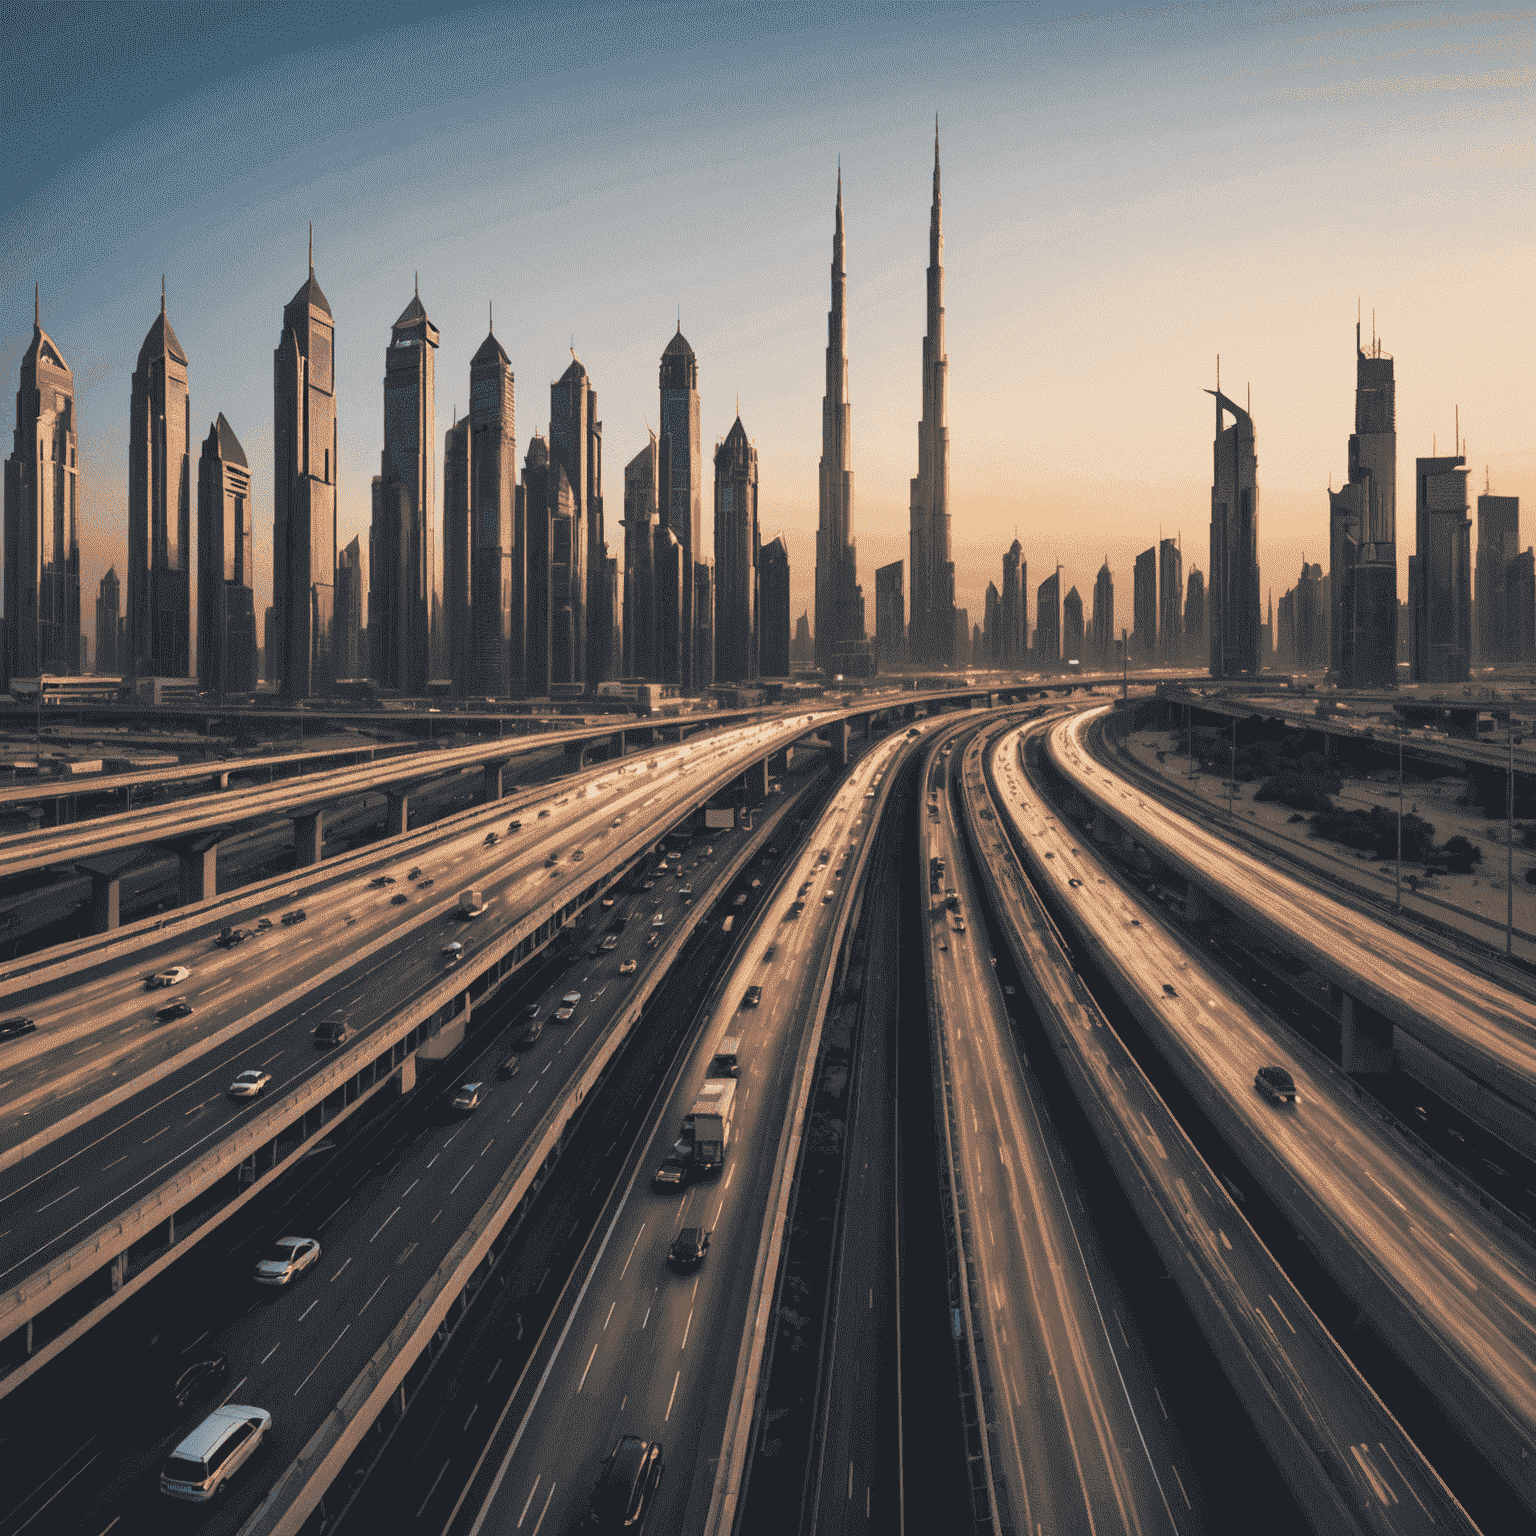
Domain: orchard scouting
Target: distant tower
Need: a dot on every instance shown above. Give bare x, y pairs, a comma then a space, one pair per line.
1170, 602
1144, 608
1048, 621
42, 549
737, 548
347, 626
1072, 627
160, 507
931, 636
1440, 574
681, 484
1233, 595
226, 567
641, 527
304, 479
1195, 649
109, 606
890, 616
1364, 602
773, 614
839, 601
1014, 640
401, 544
576, 443
1498, 542
1104, 617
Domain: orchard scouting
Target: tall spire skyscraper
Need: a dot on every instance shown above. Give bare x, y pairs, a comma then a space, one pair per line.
839, 600
932, 638
680, 498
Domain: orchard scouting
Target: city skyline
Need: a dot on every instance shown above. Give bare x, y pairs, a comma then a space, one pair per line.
1020, 458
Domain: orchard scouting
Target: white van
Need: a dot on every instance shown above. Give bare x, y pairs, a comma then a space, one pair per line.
198, 1468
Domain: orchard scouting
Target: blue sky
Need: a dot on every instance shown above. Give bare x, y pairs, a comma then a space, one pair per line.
1127, 193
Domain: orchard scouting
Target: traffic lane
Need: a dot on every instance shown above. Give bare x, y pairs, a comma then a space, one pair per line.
1487, 1017
1454, 1267
1343, 1418
1077, 1449
612, 1373
294, 1350
50, 1175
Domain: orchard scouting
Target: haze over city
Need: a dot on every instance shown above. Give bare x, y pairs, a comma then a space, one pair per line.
1126, 195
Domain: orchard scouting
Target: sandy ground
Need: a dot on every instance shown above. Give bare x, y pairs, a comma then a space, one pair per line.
1474, 903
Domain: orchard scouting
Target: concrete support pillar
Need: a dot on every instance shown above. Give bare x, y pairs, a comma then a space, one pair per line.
779, 763
199, 872
1367, 1038
837, 736
616, 745
492, 776
755, 783
106, 891
671, 733
575, 755
397, 809
221, 780
117, 1272
308, 838
866, 724
170, 1229
406, 1077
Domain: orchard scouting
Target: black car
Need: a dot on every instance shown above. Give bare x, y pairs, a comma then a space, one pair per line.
508, 1068
514, 826
197, 1381
399, 901
672, 1174
626, 1487
753, 998
172, 1012
296, 916
413, 872
382, 880
688, 1248
1276, 1084
492, 838
530, 1035
229, 937
12, 1028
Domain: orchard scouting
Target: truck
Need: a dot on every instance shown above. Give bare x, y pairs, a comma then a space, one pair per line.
711, 1115
725, 1062
471, 902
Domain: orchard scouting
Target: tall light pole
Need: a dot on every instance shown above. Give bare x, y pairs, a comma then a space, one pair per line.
1509, 848
1399, 901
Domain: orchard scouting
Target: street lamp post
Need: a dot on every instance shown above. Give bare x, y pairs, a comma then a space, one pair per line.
1399, 901
1232, 777
1509, 847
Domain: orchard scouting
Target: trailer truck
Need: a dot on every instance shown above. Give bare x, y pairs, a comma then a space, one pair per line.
712, 1113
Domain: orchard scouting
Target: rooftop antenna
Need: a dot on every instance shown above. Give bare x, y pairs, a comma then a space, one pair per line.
1487, 483
37, 305
311, 247
490, 314
679, 319
418, 285
1357, 322
162, 293
1456, 441
1218, 373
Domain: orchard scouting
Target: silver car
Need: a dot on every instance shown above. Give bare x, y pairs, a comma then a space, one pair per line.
286, 1259
207, 1458
251, 1084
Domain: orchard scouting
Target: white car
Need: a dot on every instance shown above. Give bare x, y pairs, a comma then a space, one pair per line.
564, 1013
570, 999
177, 973
611, 941
469, 1098
251, 1084
659, 921
628, 968
286, 1259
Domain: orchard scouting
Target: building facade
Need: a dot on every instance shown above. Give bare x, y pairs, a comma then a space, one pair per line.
304, 480
839, 598
1232, 596
576, 443
890, 616
1072, 628
1144, 608
109, 618
930, 632
226, 566
737, 553
1196, 649
1013, 641
773, 612
1103, 646
42, 545
1047, 649
642, 523
1440, 574
1498, 542
160, 507
1170, 603
347, 654
680, 495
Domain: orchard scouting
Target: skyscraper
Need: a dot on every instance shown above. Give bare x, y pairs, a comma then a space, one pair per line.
992, 623
482, 595
703, 624
1048, 621
890, 616
42, 548
1014, 640
553, 540
773, 614
1170, 602
304, 479
1498, 542
1233, 594
1072, 627
1440, 574
802, 648
1195, 648
347, 626
576, 443
737, 543
109, 605
159, 507
930, 636
1521, 591
641, 527
1362, 553
1104, 617
680, 471
839, 599
226, 566
1144, 608
400, 542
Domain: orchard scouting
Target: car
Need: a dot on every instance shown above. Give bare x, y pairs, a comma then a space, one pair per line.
803, 889
795, 909
530, 1035
653, 941
607, 903
659, 921
958, 926
173, 1011
740, 900
770, 952
453, 953
825, 856
869, 794
629, 967
400, 900
531, 1012
650, 885
229, 937
413, 872
298, 915
564, 1013
173, 977
491, 839
425, 885
571, 999
626, 1487
552, 860
250, 1084
688, 1249
12, 1029
578, 856
200, 1467
828, 897
618, 821
1276, 1084
380, 881
196, 1381
514, 826
952, 901
753, 998
610, 942
685, 891
263, 925
542, 814
709, 851
333, 1031
469, 1098
286, 1260
508, 1068
672, 1174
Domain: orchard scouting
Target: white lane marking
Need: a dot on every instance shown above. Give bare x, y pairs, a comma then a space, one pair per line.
337, 1276
271, 1351
590, 1358
609, 1318
65, 1196
666, 1418
686, 1327
379, 1287
433, 1489
310, 1308
321, 1361
531, 1493
389, 1219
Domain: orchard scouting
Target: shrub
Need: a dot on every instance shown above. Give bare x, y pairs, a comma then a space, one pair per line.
1460, 854
1300, 791
1375, 831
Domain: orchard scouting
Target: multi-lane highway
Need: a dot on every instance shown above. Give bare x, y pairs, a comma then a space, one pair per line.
1450, 1288
1075, 1437
643, 1350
